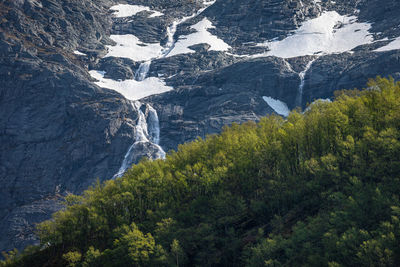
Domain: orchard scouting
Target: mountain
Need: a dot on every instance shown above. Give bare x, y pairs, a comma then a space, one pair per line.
89, 87
319, 188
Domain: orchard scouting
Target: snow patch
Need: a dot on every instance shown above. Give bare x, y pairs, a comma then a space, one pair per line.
171, 30
76, 52
200, 36
278, 106
125, 10
327, 34
395, 44
129, 46
156, 14
132, 89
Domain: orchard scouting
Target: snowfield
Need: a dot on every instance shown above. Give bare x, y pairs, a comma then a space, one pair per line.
125, 10
129, 46
395, 44
202, 35
278, 106
330, 33
76, 52
132, 89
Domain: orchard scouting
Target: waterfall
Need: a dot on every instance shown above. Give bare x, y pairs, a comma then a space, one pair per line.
141, 126
142, 71
154, 126
302, 75
125, 163
144, 67
148, 127
171, 30
147, 133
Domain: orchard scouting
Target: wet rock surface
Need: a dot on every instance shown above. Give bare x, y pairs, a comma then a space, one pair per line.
59, 132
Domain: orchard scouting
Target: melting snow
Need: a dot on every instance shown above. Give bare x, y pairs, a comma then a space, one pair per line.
132, 89
76, 52
278, 106
125, 10
329, 33
129, 46
395, 44
200, 36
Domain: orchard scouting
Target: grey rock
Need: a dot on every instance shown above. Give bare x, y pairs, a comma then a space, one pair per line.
348, 71
59, 132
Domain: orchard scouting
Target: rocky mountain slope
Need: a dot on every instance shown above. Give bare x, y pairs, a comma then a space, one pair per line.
89, 87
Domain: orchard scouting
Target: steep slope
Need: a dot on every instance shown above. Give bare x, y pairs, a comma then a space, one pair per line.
71, 74
320, 188
221, 61
59, 132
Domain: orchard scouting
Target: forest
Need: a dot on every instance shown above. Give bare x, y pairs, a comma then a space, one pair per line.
318, 188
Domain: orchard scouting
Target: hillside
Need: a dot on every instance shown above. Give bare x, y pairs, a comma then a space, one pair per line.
320, 188
89, 87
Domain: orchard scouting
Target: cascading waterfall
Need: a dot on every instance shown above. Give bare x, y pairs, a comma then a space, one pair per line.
125, 163
144, 67
147, 131
142, 71
302, 75
171, 30
141, 126
153, 125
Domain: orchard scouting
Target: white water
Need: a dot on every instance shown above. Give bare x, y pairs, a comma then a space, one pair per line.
144, 67
125, 163
171, 30
302, 75
147, 131
154, 125
141, 126
147, 127
142, 71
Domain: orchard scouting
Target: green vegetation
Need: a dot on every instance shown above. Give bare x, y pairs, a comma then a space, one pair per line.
318, 189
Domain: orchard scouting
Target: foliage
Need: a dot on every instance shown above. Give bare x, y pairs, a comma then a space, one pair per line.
317, 189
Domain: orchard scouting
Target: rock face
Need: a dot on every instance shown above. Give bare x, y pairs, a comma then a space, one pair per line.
204, 102
59, 131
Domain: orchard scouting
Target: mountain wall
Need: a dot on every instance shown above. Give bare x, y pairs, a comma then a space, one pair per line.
72, 73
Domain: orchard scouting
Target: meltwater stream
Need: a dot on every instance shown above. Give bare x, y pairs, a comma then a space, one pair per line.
148, 127
142, 71
147, 132
302, 75
144, 67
